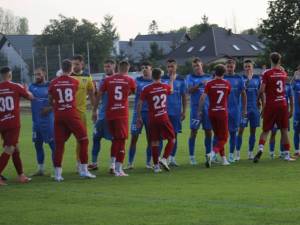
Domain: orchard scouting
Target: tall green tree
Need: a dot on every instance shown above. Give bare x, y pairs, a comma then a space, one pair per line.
282, 30
156, 53
11, 24
153, 27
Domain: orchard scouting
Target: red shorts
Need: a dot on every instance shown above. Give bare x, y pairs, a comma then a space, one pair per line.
219, 123
118, 128
10, 136
161, 130
65, 126
278, 115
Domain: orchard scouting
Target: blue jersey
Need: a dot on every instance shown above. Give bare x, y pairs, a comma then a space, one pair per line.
102, 106
237, 87
174, 101
252, 87
296, 91
141, 82
40, 101
201, 80
288, 92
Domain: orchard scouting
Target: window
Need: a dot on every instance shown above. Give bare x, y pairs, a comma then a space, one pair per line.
254, 47
236, 47
190, 49
202, 48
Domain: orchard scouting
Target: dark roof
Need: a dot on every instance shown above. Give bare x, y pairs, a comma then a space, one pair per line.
217, 43
172, 37
22, 43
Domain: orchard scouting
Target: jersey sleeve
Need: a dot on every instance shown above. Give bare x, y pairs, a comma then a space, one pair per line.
242, 84
22, 91
103, 86
90, 85
143, 94
189, 82
168, 88
183, 87
264, 79
132, 85
206, 89
229, 87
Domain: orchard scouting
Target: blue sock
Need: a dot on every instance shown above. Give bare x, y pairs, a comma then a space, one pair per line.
251, 142
40, 155
207, 143
131, 156
239, 142
272, 146
96, 149
296, 140
148, 154
192, 146
52, 147
281, 148
161, 145
175, 147
232, 141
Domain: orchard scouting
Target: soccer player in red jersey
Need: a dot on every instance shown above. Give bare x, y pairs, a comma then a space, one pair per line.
275, 111
62, 91
217, 90
160, 126
118, 87
10, 94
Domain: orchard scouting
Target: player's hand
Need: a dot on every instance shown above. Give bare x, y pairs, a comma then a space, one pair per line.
45, 111
290, 114
94, 116
182, 116
245, 114
139, 122
262, 112
200, 115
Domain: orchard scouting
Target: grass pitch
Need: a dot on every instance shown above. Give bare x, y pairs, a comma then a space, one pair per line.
242, 194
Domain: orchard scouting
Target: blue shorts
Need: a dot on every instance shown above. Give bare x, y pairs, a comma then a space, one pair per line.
43, 134
176, 122
101, 130
134, 129
195, 122
234, 119
296, 122
253, 118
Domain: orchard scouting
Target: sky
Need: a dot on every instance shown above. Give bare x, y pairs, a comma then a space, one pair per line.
134, 16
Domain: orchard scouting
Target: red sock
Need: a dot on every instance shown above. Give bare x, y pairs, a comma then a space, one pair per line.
121, 151
222, 152
261, 142
286, 147
83, 153
17, 161
169, 148
155, 154
58, 153
3, 161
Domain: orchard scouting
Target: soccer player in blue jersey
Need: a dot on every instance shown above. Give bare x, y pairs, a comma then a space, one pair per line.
252, 84
42, 117
237, 94
290, 101
100, 125
141, 82
176, 103
296, 118
195, 84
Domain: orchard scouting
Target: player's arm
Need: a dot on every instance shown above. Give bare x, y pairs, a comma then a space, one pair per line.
184, 104
97, 99
201, 104
193, 89
244, 103
291, 108
139, 112
50, 99
261, 96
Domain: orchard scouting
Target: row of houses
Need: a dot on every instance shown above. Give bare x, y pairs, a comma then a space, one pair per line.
212, 46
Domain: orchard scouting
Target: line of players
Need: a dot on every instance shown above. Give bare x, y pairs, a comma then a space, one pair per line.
161, 114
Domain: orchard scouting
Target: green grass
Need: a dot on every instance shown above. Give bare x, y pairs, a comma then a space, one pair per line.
243, 193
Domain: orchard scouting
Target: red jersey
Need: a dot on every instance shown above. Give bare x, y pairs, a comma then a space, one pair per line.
218, 91
275, 80
10, 94
63, 91
155, 95
118, 88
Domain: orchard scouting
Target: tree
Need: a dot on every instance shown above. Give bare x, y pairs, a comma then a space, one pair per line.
153, 27
156, 53
109, 32
282, 30
11, 24
200, 28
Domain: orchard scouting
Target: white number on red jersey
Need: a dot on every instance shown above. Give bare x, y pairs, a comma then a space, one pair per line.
65, 96
279, 83
160, 101
221, 95
118, 93
6, 104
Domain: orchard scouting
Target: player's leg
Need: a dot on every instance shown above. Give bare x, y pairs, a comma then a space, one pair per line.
176, 123
272, 143
194, 126
78, 144
4, 158
148, 149
132, 149
208, 146
233, 122
96, 147
39, 149
239, 142
296, 126
251, 142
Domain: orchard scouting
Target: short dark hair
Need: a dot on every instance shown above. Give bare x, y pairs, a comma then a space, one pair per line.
110, 61
123, 66
156, 73
146, 63
230, 60
5, 70
41, 68
66, 66
171, 61
196, 60
220, 70
275, 57
78, 57
248, 61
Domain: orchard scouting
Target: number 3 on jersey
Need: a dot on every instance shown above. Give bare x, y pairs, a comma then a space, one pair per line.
159, 101
6, 104
279, 83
